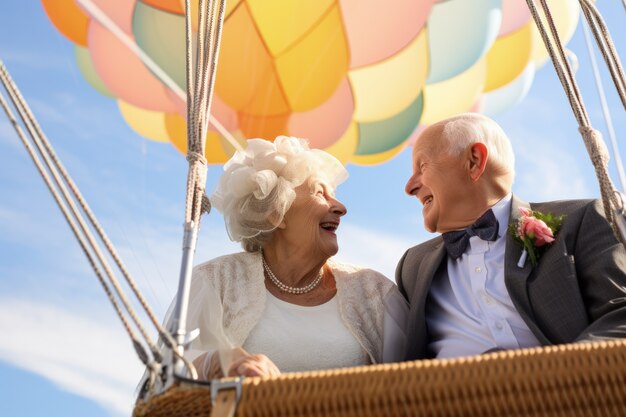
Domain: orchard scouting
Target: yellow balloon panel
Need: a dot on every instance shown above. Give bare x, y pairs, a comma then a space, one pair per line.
281, 23
453, 96
378, 158
385, 89
565, 14
245, 76
311, 70
149, 124
508, 57
177, 131
345, 147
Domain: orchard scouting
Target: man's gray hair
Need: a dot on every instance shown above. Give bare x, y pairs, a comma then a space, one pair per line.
465, 129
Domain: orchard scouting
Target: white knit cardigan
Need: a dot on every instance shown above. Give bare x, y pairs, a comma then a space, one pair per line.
228, 298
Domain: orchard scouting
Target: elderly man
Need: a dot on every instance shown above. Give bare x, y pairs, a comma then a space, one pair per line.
477, 287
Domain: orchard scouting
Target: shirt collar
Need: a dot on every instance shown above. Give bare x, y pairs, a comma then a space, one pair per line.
502, 211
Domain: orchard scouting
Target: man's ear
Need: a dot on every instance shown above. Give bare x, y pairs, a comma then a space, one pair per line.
478, 156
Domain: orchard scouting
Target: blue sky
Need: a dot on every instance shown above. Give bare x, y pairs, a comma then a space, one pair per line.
63, 351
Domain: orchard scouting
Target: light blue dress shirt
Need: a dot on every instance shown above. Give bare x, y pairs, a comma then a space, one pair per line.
469, 311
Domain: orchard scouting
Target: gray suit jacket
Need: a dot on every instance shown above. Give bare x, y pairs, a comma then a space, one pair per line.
576, 292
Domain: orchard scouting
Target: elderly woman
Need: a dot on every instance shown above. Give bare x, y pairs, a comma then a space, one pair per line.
283, 299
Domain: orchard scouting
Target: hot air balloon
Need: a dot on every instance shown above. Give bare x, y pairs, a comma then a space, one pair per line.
354, 77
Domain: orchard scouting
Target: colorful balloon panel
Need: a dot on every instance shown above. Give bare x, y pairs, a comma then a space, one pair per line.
88, 70
504, 66
357, 78
400, 25
147, 123
68, 18
384, 89
452, 50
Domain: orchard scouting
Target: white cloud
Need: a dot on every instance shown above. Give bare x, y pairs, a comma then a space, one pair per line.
83, 355
551, 162
15, 57
546, 177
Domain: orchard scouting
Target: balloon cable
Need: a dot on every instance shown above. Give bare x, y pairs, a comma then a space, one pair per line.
61, 185
605, 108
612, 200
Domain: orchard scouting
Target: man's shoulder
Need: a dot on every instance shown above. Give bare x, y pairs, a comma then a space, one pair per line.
573, 211
564, 206
425, 247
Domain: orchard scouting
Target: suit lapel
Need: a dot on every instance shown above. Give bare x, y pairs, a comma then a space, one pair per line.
425, 274
516, 277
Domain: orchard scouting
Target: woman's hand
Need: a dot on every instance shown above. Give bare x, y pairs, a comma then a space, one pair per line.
237, 361
253, 365
208, 366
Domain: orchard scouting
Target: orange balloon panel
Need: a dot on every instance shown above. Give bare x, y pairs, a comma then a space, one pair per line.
245, 77
265, 127
172, 6
68, 18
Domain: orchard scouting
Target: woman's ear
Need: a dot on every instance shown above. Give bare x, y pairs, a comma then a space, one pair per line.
478, 156
275, 220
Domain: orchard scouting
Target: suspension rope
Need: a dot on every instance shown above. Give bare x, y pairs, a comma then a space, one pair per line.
200, 85
605, 109
49, 154
606, 46
596, 148
62, 181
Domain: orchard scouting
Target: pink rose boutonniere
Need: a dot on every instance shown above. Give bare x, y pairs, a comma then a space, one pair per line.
535, 231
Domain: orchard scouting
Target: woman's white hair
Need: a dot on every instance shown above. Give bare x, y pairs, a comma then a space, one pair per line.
467, 128
257, 187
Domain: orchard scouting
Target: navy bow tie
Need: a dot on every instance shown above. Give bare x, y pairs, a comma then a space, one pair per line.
486, 228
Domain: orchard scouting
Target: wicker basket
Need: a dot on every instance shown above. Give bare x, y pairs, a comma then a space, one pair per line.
569, 380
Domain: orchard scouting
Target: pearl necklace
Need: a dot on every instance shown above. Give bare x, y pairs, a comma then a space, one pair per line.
286, 288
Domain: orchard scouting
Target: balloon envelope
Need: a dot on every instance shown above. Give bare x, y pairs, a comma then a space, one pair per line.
354, 77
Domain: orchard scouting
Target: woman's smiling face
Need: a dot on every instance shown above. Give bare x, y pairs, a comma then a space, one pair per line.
313, 218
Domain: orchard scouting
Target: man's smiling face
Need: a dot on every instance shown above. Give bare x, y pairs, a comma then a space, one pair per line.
438, 181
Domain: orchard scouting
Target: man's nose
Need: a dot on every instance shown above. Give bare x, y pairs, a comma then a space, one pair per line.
412, 185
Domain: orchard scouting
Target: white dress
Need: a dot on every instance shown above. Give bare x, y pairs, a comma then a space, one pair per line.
311, 337
228, 300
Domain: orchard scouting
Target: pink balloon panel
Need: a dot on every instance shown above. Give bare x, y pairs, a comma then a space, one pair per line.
123, 73
323, 125
376, 30
515, 14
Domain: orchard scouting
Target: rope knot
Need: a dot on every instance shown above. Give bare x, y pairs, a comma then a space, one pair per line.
206, 204
193, 156
595, 145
